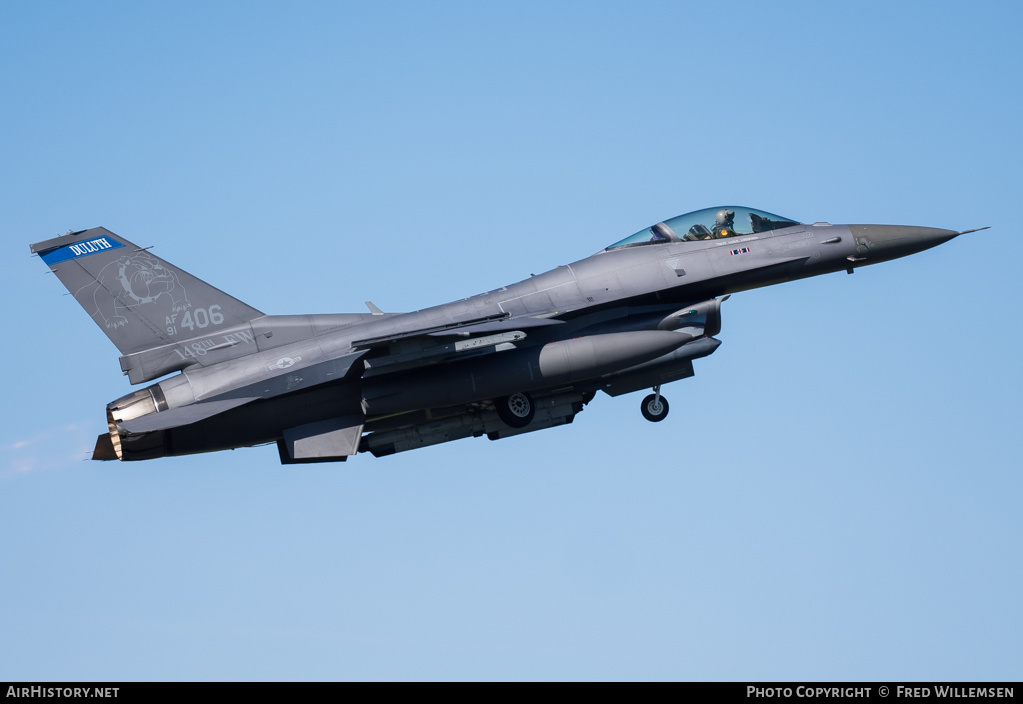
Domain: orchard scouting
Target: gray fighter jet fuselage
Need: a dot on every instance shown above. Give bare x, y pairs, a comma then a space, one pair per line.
523, 357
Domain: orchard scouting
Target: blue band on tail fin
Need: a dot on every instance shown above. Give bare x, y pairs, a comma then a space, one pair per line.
80, 249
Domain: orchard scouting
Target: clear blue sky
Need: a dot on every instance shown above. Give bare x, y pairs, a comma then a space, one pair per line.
835, 495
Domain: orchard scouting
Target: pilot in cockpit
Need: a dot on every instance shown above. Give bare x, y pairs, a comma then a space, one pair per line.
724, 223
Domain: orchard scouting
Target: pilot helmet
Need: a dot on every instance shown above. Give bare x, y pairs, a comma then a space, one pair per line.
724, 217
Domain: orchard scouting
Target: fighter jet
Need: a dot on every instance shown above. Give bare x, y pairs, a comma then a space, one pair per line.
520, 358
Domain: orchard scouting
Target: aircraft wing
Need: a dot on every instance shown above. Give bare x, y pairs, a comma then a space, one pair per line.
501, 322
522, 322
435, 345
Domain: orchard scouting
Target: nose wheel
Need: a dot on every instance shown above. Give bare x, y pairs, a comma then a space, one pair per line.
655, 406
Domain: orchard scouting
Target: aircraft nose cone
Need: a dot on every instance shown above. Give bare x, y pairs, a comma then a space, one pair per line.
880, 242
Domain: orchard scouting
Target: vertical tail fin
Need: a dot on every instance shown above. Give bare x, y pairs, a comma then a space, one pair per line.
138, 300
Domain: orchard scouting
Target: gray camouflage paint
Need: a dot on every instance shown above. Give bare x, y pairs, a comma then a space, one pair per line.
327, 386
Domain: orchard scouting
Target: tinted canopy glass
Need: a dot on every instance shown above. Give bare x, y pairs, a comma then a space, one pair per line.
706, 224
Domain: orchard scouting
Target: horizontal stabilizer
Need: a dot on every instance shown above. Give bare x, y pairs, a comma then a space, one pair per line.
104, 448
184, 415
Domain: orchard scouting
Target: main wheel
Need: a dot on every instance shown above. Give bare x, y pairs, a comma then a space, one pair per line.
516, 410
654, 409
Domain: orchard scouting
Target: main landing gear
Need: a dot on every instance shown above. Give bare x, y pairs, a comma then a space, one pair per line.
655, 406
516, 410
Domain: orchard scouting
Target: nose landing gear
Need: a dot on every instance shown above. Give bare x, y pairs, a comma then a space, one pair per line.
655, 406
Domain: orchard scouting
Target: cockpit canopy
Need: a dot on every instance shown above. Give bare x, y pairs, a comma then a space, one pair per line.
707, 224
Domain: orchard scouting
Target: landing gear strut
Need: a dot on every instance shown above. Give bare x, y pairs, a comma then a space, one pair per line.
655, 406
